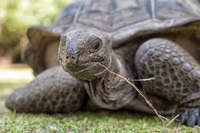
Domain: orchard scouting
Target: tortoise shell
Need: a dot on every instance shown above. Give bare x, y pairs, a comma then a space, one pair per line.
123, 20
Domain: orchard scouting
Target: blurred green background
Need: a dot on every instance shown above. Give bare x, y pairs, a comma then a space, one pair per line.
17, 15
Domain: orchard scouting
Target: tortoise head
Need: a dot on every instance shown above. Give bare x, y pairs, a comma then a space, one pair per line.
81, 52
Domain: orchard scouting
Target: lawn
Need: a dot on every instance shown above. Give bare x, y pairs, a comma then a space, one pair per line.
101, 121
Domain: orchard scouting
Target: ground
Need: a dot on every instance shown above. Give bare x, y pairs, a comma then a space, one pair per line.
13, 76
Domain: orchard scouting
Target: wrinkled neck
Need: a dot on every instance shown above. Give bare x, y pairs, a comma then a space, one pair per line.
110, 91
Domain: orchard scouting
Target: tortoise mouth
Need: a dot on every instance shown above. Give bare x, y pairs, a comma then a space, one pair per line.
88, 70
84, 65
82, 62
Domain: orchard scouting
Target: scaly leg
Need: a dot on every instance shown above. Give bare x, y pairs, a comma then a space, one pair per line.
52, 91
177, 78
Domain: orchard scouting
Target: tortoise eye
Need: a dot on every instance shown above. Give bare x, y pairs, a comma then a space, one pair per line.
95, 47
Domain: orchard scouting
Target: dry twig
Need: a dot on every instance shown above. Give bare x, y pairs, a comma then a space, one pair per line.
172, 120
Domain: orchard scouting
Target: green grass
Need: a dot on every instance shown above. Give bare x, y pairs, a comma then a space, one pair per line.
101, 121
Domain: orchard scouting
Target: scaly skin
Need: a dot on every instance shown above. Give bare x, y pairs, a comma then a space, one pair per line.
52, 91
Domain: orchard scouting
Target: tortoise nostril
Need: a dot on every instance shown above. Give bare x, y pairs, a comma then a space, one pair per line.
73, 57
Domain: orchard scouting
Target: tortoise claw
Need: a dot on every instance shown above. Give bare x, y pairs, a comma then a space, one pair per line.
182, 119
198, 123
193, 116
191, 121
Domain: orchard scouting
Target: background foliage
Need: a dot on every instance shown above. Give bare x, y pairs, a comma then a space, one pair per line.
17, 15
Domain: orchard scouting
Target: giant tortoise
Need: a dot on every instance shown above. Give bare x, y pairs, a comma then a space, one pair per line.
137, 39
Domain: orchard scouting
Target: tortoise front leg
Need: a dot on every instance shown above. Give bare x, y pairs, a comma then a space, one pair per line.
52, 91
177, 78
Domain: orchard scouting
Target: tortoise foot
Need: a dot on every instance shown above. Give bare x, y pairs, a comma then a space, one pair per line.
189, 110
189, 117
